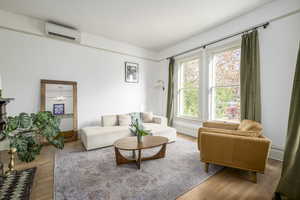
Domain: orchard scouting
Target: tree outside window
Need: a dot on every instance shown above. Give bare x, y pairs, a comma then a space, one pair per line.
225, 89
188, 90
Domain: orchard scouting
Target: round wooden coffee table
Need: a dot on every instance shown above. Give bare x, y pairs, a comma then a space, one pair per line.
131, 144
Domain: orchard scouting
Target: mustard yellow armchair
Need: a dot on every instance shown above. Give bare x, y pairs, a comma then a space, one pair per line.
233, 145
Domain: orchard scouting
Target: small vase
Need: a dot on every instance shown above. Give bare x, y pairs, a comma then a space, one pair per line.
140, 138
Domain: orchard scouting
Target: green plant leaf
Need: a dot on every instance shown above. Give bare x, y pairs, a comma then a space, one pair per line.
24, 121
11, 124
137, 129
27, 128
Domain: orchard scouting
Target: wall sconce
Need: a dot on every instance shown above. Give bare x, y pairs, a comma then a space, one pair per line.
160, 84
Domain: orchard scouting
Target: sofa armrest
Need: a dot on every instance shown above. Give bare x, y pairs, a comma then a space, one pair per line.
160, 120
221, 125
250, 153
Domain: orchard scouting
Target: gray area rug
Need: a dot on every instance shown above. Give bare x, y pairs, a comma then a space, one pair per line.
94, 175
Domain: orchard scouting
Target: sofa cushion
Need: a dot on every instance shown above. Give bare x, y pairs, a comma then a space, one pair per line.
147, 117
158, 130
97, 137
97, 130
250, 125
124, 120
109, 120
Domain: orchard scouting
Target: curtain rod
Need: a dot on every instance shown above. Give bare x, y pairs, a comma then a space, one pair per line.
264, 25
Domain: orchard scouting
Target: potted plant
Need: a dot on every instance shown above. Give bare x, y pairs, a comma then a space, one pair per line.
27, 133
137, 129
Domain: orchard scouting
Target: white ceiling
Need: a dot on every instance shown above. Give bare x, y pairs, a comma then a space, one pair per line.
151, 24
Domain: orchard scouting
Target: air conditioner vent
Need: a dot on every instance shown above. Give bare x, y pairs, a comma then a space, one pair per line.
62, 32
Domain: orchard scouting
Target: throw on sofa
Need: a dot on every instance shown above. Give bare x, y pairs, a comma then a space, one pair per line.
239, 146
114, 127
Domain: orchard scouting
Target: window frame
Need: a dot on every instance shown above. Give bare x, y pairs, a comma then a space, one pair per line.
211, 78
178, 87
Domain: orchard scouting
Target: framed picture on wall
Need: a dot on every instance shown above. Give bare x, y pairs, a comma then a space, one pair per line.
59, 109
131, 72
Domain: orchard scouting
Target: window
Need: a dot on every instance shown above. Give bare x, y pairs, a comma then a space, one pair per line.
188, 88
225, 85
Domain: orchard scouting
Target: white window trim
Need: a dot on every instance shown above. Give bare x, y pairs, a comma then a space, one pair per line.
204, 56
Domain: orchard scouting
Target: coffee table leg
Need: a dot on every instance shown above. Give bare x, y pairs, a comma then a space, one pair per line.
133, 154
139, 159
160, 154
120, 159
117, 153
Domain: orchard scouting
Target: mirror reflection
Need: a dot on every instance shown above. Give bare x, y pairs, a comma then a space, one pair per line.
59, 101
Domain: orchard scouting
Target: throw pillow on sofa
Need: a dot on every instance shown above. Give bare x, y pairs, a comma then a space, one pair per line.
147, 117
124, 120
109, 120
136, 116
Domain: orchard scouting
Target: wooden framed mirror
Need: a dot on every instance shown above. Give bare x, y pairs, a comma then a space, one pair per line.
60, 98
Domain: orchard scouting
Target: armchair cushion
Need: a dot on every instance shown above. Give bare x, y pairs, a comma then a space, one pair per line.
250, 125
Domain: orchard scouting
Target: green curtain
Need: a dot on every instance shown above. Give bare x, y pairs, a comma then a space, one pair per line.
170, 100
250, 77
289, 184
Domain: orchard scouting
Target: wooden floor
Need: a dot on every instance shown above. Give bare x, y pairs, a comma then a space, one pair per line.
228, 184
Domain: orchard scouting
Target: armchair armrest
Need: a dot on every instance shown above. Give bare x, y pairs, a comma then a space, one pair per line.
221, 125
160, 120
231, 132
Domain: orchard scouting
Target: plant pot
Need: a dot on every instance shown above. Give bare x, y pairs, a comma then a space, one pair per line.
140, 138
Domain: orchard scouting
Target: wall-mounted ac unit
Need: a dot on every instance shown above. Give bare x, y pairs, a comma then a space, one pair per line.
62, 32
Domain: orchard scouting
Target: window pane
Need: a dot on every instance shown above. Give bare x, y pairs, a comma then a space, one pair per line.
226, 103
190, 76
189, 102
227, 68
188, 98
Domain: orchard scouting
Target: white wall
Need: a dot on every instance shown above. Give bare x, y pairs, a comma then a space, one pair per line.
25, 59
36, 26
97, 64
265, 13
279, 44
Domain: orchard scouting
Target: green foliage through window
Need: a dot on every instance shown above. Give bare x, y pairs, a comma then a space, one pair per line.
189, 88
226, 89
227, 103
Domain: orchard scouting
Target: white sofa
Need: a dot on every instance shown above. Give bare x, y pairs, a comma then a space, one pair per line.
102, 136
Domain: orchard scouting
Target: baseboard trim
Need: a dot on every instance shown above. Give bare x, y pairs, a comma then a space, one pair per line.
276, 153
